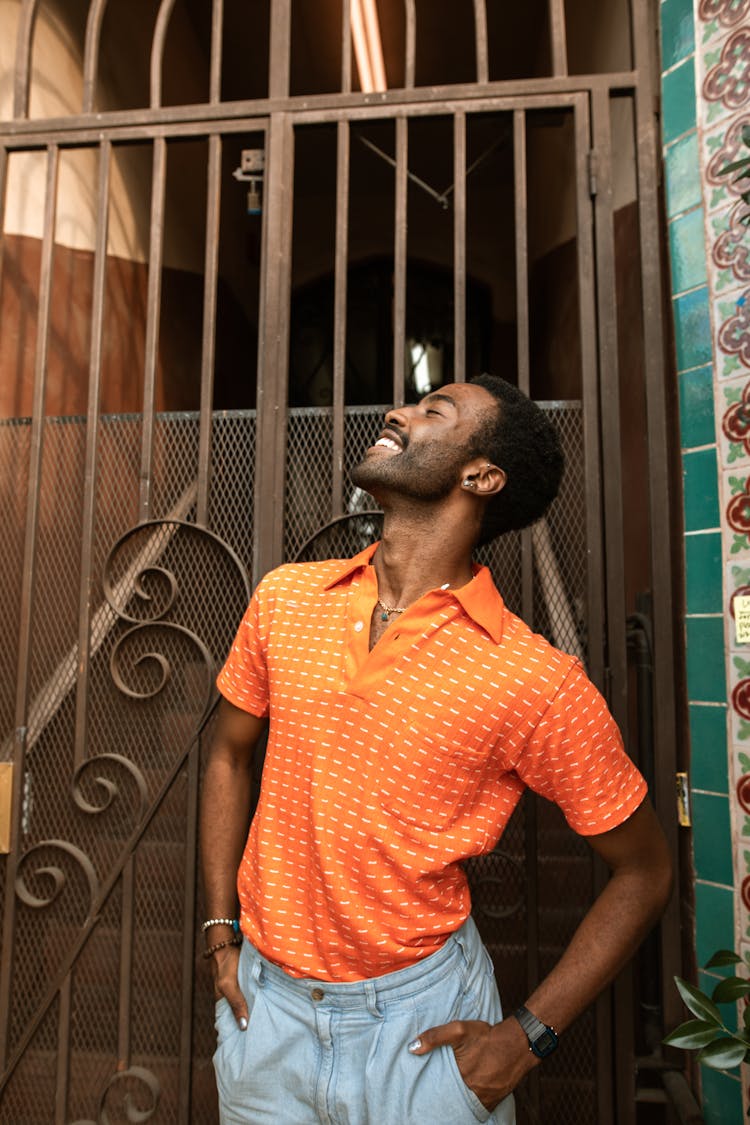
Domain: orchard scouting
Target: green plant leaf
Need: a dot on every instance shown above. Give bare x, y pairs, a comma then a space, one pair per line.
734, 166
692, 1035
746, 1016
724, 957
745, 134
722, 1054
697, 1001
733, 988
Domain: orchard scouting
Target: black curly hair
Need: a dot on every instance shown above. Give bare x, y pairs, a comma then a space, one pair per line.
520, 439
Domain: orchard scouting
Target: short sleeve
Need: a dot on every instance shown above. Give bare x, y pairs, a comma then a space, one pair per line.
244, 678
576, 758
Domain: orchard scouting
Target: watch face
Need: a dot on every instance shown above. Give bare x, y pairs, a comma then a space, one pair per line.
545, 1043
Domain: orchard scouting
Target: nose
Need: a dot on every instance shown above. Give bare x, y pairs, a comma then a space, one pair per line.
396, 417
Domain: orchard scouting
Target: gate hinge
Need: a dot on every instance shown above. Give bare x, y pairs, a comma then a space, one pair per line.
592, 163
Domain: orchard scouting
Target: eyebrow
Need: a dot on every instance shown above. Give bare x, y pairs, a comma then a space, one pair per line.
436, 396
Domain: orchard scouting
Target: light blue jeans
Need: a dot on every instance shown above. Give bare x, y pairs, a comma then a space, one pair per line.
337, 1054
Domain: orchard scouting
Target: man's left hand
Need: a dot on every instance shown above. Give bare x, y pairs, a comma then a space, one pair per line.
492, 1059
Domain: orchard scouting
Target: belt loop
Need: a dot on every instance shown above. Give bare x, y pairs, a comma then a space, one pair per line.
257, 972
371, 995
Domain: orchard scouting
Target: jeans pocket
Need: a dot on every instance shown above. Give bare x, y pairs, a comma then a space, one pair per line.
480, 1111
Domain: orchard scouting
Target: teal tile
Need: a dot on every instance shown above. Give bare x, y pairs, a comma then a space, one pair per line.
722, 1097
683, 176
714, 920
708, 748
692, 329
712, 838
677, 32
678, 101
687, 252
696, 389
706, 679
701, 490
703, 585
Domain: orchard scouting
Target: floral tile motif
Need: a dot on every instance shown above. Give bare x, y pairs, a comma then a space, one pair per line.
722, 146
732, 327
730, 252
733, 402
726, 86
735, 504
739, 702
721, 16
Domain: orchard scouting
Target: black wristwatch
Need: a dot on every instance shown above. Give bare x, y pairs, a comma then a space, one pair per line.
542, 1038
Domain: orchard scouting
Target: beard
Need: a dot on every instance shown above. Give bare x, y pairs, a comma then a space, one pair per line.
426, 473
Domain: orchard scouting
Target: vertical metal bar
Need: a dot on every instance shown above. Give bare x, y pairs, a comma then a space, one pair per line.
520, 215
92, 434
480, 38
624, 1057
3, 195
62, 1063
157, 51
217, 38
610, 422
590, 393
127, 926
664, 732
210, 274
273, 347
399, 260
558, 38
346, 46
188, 937
410, 14
459, 247
593, 508
22, 72
339, 315
27, 589
279, 48
91, 53
153, 313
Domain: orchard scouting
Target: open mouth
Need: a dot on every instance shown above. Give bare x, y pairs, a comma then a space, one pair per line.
387, 443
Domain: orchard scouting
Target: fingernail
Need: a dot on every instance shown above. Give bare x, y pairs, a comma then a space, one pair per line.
243, 1023
415, 1044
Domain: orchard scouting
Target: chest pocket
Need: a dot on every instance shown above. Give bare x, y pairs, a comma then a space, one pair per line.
432, 775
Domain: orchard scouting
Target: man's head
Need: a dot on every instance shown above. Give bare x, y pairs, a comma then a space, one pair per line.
521, 439
485, 438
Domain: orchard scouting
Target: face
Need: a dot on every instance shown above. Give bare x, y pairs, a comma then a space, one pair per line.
423, 449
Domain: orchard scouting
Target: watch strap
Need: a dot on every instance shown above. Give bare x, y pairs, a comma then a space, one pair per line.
542, 1038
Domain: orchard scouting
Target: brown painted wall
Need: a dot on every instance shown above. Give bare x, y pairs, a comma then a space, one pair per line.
178, 366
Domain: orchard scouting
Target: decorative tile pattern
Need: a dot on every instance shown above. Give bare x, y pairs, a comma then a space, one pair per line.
712, 328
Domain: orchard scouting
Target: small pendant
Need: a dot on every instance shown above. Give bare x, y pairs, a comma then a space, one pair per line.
384, 615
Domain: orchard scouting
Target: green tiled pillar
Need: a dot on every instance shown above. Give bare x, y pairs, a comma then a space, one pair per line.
707, 478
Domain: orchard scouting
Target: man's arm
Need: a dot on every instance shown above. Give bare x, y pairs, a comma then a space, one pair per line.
225, 816
493, 1060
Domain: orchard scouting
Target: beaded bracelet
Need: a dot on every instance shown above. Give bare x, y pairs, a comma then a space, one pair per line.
221, 945
233, 922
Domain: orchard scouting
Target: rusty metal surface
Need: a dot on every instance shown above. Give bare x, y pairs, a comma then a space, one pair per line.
132, 541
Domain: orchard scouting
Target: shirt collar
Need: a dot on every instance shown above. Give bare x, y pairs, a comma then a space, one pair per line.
479, 598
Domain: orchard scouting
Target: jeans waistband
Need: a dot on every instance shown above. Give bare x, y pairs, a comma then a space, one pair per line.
464, 944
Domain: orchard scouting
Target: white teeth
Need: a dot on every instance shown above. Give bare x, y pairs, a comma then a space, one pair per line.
388, 444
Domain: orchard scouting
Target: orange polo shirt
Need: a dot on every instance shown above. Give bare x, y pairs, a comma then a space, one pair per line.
386, 769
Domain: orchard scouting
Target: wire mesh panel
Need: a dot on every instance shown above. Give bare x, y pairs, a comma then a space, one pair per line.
105, 907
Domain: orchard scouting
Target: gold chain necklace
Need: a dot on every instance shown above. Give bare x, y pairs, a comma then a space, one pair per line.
389, 609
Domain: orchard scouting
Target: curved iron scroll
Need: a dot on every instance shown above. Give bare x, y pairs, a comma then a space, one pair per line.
109, 787
133, 1113
56, 874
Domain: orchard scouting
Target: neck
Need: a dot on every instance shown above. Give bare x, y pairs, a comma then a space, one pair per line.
416, 555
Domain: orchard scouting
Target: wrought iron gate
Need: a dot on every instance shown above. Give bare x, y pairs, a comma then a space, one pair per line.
131, 541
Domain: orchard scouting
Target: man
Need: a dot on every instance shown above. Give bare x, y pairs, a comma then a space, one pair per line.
408, 710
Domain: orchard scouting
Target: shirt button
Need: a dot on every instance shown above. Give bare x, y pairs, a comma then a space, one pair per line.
318, 993
358, 626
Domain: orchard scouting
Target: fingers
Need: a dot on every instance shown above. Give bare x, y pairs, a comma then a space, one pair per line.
447, 1034
225, 964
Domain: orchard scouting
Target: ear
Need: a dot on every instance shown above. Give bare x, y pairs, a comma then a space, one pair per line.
483, 478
